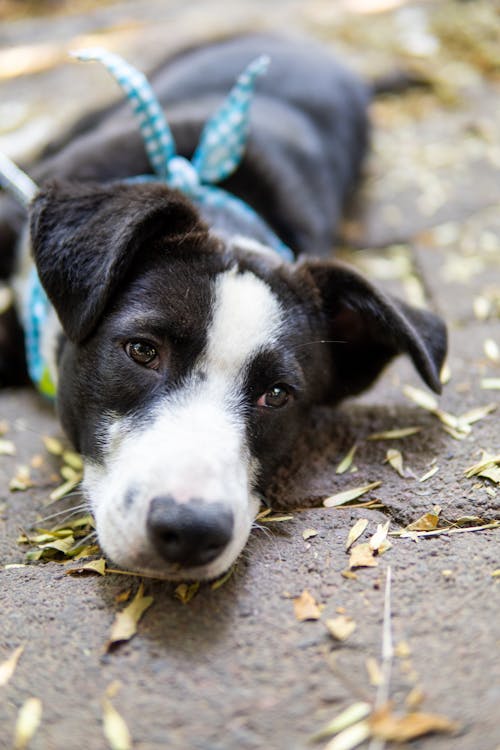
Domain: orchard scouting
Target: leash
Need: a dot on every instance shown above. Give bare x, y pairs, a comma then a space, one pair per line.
217, 156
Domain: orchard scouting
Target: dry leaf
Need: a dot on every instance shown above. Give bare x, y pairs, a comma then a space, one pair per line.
348, 574
362, 557
374, 672
308, 534
53, 446
186, 591
27, 723
275, 519
305, 607
427, 522
402, 650
488, 461
474, 415
65, 488
491, 350
7, 448
347, 495
421, 398
340, 627
389, 727
125, 625
415, 697
94, 566
356, 532
380, 536
21, 481
114, 727
395, 459
346, 462
351, 737
490, 384
345, 719
74, 460
222, 579
394, 434
429, 474
8, 667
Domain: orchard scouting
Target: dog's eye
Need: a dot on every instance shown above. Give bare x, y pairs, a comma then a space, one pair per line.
143, 352
276, 397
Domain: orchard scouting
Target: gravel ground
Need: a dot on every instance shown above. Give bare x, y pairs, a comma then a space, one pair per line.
233, 667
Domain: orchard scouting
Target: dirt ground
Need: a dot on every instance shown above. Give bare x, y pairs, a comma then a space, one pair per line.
234, 668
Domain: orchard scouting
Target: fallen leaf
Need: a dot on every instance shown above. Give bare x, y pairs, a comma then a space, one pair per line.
427, 522
186, 591
355, 532
488, 461
340, 627
27, 723
351, 715
395, 459
391, 728
21, 481
346, 462
305, 607
415, 697
490, 384
491, 350
73, 459
53, 446
394, 434
421, 398
125, 624
308, 534
362, 557
114, 727
7, 448
429, 474
402, 650
222, 579
94, 566
350, 738
380, 536
65, 488
347, 495
8, 667
275, 519
374, 672
349, 574
474, 415
495, 573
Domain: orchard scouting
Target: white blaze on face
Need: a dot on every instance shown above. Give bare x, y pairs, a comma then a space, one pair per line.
194, 446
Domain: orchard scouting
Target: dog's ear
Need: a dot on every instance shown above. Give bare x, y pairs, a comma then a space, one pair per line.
368, 328
85, 237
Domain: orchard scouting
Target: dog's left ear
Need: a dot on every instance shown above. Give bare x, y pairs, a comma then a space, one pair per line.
368, 328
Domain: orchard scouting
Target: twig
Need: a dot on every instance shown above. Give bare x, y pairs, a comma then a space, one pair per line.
387, 655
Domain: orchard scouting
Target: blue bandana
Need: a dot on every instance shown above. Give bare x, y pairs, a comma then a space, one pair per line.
217, 156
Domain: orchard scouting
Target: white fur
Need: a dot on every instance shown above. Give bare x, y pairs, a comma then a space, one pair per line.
194, 445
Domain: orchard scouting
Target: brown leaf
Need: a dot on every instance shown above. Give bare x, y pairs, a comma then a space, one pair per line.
94, 566
391, 728
305, 607
427, 522
186, 591
362, 557
125, 625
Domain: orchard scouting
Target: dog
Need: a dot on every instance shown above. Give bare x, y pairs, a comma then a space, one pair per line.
187, 352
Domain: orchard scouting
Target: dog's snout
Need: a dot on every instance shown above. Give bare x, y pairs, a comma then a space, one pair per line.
192, 533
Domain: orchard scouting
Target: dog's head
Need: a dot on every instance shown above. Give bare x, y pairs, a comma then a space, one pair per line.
189, 365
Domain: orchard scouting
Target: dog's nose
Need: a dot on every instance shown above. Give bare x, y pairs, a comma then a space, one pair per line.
192, 533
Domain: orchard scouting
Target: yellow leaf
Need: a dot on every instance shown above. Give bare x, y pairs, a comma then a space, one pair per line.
395, 459
429, 474
394, 434
8, 667
305, 607
421, 398
94, 566
474, 415
346, 462
347, 495
222, 579
275, 519
427, 522
374, 672
73, 460
114, 727
362, 557
355, 532
488, 461
53, 446
64, 489
490, 384
126, 621
387, 726
402, 650
7, 448
186, 591
350, 738
415, 697
341, 627
27, 723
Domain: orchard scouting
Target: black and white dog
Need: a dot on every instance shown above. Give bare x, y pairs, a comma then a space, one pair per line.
188, 353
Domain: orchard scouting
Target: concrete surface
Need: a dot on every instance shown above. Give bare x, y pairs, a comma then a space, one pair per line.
233, 668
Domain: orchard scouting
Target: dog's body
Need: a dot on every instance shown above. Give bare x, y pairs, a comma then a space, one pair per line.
191, 352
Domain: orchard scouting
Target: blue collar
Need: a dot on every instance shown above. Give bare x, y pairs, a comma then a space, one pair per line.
217, 156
